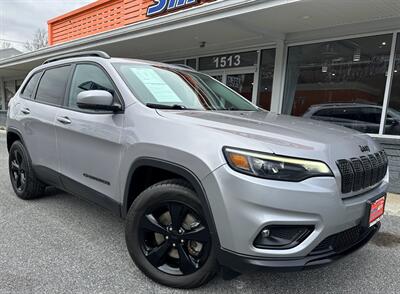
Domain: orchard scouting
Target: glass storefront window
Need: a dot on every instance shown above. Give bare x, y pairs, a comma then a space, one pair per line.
341, 82
176, 62
192, 63
266, 78
228, 61
392, 123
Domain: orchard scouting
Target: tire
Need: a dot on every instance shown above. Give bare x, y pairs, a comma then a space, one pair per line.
23, 179
177, 196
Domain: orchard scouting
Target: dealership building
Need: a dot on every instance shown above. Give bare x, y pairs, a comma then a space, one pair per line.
337, 61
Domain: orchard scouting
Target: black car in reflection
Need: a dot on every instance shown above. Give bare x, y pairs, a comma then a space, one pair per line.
362, 117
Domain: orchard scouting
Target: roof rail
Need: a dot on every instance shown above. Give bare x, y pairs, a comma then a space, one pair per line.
101, 54
183, 66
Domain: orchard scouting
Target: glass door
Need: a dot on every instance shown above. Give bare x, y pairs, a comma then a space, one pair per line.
242, 84
239, 80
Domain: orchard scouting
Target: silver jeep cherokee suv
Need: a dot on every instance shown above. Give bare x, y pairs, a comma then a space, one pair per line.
205, 179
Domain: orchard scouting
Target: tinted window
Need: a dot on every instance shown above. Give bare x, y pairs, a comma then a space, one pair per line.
52, 85
341, 113
88, 77
372, 115
30, 86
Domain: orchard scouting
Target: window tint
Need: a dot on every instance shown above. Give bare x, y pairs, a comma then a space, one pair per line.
88, 77
52, 85
30, 86
372, 114
351, 113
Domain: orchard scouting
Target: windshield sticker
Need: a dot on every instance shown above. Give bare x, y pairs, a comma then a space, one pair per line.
161, 91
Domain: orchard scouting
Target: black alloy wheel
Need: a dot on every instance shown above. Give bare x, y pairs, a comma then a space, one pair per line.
168, 236
174, 239
18, 168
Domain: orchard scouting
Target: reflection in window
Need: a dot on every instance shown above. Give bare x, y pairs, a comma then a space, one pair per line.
88, 77
342, 82
52, 85
28, 91
242, 84
392, 123
266, 78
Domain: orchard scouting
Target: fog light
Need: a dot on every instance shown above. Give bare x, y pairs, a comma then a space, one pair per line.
282, 236
265, 233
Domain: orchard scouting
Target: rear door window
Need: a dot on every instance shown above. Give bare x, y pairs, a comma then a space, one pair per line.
53, 85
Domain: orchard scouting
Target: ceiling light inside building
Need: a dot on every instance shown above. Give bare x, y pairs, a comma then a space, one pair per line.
357, 55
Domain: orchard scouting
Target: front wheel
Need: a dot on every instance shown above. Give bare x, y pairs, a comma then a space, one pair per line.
168, 237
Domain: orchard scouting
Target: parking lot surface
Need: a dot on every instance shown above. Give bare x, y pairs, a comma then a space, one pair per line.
62, 244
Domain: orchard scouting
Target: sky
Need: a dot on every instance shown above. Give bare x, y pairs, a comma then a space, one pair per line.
19, 19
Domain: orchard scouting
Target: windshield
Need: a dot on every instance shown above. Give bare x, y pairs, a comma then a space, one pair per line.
165, 87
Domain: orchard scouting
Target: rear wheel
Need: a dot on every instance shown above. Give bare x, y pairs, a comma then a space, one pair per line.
22, 176
168, 236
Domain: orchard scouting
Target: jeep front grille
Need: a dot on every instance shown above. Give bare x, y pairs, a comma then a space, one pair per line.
363, 172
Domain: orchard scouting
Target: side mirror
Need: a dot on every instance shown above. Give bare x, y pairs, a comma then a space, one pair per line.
97, 100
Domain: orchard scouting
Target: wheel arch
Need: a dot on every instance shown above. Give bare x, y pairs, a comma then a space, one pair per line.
12, 136
183, 173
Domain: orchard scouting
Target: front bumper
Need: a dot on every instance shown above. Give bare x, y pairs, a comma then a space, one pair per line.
243, 205
242, 263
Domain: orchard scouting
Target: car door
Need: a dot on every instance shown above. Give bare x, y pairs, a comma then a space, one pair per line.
38, 116
88, 140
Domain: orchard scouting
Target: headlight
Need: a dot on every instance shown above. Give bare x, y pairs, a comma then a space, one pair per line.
274, 167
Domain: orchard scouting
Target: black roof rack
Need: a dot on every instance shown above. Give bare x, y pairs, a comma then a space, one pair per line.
101, 54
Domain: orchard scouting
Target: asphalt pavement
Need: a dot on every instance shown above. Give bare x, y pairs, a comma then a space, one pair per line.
62, 244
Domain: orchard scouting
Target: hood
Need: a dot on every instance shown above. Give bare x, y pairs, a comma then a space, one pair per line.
282, 134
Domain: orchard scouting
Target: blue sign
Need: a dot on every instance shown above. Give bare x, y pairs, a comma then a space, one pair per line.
161, 6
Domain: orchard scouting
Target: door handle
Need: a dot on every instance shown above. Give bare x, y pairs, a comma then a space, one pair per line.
25, 111
64, 120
